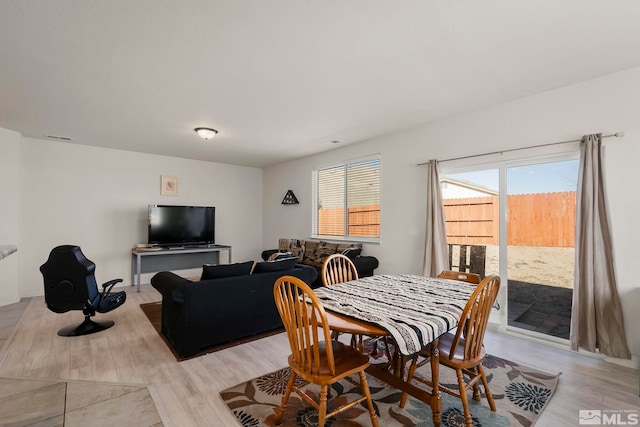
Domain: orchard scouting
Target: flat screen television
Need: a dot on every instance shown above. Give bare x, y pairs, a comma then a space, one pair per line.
171, 225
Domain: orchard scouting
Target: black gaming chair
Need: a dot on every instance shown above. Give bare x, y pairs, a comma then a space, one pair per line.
70, 284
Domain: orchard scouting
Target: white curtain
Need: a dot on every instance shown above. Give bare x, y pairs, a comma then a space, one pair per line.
436, 256
596, 315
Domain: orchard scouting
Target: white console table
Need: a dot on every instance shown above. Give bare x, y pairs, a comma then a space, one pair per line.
149, 260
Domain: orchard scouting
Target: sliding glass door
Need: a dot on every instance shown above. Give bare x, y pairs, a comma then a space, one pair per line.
541, 203
517, 219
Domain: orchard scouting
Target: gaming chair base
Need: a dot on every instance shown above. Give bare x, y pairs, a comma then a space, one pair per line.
85, 328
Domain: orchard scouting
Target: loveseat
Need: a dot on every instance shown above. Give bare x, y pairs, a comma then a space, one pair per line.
314, 252
226, 305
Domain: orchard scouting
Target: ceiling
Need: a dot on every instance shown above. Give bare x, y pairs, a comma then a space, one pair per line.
281, 79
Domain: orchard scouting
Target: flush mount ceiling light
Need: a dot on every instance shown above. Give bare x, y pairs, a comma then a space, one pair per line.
206, 133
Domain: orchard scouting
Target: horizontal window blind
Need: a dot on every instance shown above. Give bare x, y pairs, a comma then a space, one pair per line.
348, 200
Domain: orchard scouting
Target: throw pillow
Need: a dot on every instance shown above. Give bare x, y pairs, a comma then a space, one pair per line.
323, 250
309, 250
347, 245
352, 253
279, 265
295, 246
226, 270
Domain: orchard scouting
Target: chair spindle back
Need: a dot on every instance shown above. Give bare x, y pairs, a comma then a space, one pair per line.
475, 317
302, 314
338, 268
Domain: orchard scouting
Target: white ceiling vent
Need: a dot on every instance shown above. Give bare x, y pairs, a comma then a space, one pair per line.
59, 138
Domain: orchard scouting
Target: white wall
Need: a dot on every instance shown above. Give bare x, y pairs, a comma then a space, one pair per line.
608, 104
97, 198
9, 214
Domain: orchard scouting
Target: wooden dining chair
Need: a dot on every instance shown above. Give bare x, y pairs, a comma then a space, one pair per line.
460, 276
464, 351
323, 362
338, 268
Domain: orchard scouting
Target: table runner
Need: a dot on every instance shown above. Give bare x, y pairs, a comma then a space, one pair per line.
414, 310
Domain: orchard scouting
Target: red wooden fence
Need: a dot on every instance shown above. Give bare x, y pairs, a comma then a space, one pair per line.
364, 221
472, 221
542, 219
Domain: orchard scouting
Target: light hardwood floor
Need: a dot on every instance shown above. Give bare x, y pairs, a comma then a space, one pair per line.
187, 393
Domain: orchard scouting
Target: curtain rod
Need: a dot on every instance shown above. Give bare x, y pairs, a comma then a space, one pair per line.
617, 135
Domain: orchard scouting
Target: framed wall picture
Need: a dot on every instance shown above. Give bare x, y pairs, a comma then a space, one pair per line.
169, 185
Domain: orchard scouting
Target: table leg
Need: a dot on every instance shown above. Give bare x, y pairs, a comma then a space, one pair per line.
397, 363
133, 269
436, 398
138, 267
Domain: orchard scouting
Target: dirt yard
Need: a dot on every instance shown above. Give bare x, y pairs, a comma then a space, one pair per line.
543, 265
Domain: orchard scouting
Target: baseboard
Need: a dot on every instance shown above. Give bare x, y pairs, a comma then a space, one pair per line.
561, 344
633, 363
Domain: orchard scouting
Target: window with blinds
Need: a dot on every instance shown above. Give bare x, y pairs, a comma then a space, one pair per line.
347, 200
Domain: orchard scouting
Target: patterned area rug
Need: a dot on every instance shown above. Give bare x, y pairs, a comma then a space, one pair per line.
520, 393
153, 311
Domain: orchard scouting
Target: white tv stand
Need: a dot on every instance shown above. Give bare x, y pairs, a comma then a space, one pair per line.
152, 260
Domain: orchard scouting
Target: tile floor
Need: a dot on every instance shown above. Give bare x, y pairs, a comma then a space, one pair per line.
33, 402
27, 402
540, 308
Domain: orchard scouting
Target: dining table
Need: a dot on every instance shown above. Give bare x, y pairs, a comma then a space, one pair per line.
413, 311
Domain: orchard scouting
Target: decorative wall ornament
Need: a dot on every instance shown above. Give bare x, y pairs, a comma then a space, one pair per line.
169, 185
290, 199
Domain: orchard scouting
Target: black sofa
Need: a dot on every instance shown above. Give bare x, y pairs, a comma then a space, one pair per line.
197, 315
